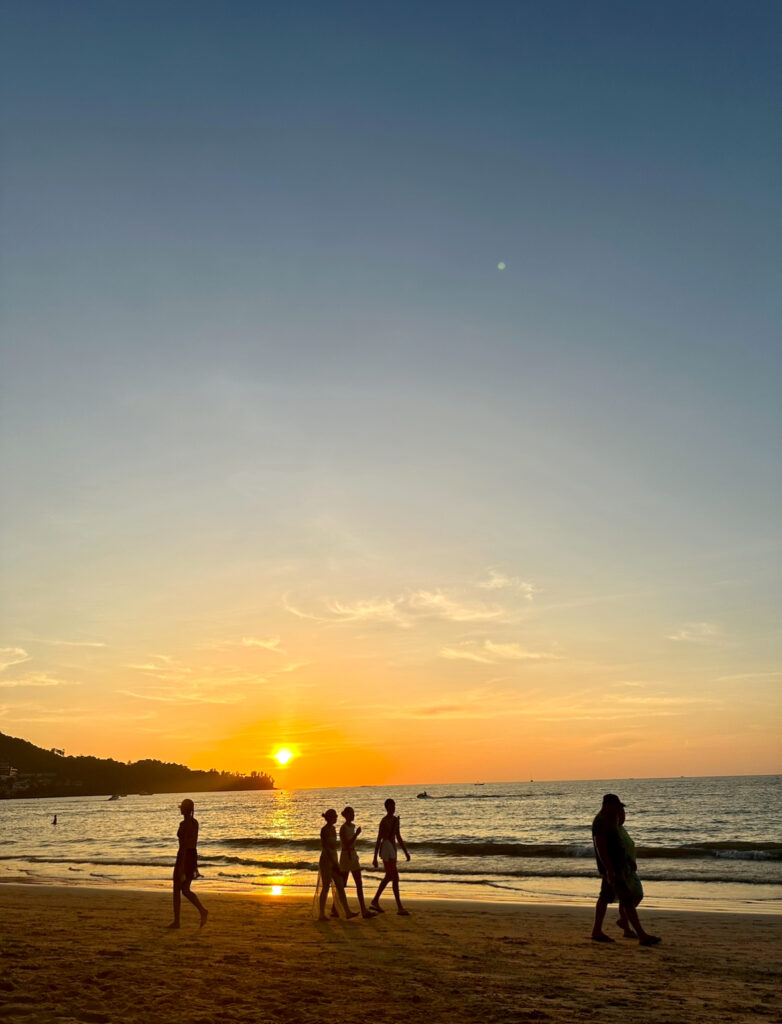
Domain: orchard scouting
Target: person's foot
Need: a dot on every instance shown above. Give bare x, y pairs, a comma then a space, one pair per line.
376, 907
403, 913
323, 918
367, 913
602, 937
650, 940
334, 912
174, 924
204, 916
352, 913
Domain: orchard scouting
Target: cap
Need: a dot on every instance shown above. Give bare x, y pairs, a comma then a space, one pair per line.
187, 805
612, 798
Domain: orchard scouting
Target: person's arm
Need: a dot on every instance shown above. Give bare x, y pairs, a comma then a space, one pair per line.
347, 842
601, 846
400, 840
378, 842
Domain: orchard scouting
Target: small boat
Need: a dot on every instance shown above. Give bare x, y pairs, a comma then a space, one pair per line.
114, 796
423, 796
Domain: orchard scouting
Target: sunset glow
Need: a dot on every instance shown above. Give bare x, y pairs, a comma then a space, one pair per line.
391, 398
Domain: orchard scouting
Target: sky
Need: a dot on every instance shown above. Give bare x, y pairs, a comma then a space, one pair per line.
397, 384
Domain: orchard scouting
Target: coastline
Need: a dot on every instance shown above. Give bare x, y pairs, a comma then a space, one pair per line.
104, 955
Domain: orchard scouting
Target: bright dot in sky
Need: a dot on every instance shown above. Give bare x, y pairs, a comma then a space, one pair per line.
500, 266
283, 755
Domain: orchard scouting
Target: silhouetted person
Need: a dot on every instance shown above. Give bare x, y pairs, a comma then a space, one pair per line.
329, 867
620, 883
348, 858
186, 867
54, 820
388, 835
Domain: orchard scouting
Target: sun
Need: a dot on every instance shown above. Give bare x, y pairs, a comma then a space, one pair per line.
283, 756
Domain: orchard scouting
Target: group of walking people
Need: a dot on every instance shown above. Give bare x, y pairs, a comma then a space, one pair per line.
334, 869
614, 854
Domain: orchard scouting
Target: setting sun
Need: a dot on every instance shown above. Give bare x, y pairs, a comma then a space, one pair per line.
283, 756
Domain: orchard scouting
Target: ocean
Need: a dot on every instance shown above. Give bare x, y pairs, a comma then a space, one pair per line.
703, 843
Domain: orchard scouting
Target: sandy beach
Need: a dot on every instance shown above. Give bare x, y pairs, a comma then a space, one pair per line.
91, 955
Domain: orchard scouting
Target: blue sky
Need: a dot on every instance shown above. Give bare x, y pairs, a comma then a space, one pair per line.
258, 355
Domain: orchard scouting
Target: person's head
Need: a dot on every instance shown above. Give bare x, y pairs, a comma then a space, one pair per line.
613, 805
330, 815
187, 806
348, 814
390, 805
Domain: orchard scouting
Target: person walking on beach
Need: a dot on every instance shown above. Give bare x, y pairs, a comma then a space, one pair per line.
186, 867
388, 836
619, 880
348, 858
329, 873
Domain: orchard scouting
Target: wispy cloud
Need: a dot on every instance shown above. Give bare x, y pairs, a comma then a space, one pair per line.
490, 653
272, 644
759, 676
402, 611
12, 656
187, 697
369, 611
440, 605
37, 679
73, 643
500, 581
163, 667
696, 632
466, 652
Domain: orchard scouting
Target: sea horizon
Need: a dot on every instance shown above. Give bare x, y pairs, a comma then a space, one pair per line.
705, 842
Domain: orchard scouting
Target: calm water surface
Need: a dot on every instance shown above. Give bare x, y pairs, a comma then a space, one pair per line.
706, 843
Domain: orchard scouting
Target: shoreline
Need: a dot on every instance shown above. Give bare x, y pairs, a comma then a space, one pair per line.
263, 891
106, 955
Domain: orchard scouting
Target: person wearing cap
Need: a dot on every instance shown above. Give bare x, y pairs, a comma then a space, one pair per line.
186, 867
348, 858
616, 866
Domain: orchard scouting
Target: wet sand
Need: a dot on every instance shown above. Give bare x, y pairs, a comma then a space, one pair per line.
93, 955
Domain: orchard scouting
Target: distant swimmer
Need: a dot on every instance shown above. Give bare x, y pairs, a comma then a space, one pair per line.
54, 820
615, 855
388, 836
186, 867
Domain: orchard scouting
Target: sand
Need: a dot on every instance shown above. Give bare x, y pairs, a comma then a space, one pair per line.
104, 956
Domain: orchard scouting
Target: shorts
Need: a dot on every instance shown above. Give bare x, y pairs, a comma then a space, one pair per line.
189, 869
387, 850
348, 863
621, 892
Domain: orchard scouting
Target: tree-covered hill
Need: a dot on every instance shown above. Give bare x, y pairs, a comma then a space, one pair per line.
42, 772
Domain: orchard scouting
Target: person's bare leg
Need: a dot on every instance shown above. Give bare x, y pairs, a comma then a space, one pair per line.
177, 906
395, 886
360, 893
598, 935
644, 938
375, 904
324, 895
196, 902
624, 924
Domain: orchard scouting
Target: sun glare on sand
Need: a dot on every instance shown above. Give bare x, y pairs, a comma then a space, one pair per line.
283, 756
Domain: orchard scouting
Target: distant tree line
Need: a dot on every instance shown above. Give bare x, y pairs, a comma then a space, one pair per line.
42, 772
